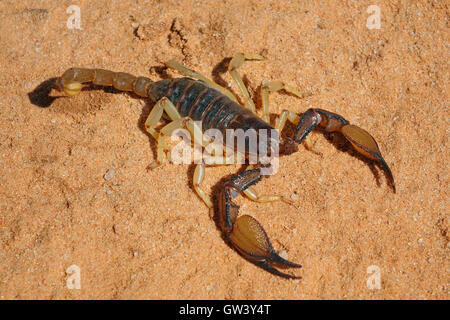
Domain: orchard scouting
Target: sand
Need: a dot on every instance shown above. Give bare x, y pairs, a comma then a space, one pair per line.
76, 192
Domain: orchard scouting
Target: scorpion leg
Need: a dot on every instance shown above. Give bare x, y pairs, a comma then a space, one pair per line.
284, 116
361, 140
199, 174
199, 138
194, 74
251, 194
153, 118
273, 86
165, 105
236, 62
245, 233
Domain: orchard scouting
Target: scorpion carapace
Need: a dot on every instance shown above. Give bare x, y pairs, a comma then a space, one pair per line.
197, 99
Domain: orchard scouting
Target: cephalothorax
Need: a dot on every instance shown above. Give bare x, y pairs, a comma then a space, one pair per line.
187, 100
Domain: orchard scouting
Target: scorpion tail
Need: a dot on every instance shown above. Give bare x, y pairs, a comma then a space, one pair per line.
245, 233
72, 80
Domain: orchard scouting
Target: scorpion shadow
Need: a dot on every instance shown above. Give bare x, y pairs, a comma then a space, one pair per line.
40, 96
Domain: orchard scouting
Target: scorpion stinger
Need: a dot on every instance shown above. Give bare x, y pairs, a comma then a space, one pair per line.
361, 140
245, 233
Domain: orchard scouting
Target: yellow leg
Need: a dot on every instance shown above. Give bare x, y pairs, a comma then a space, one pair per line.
153, 118
165, 105
199, 174
236, 62
284, 116
199, 139
181, 123
167, 130
155, 115
194, 74
253, 195
273, 86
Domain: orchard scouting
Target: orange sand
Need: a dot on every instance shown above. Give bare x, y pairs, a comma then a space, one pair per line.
145, 234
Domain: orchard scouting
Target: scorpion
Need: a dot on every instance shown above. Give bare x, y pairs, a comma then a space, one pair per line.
195, 99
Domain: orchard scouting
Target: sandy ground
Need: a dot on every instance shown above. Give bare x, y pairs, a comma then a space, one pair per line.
137, 233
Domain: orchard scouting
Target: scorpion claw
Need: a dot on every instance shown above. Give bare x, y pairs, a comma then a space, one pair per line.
365, 144
245, 233
252, 242
361, 140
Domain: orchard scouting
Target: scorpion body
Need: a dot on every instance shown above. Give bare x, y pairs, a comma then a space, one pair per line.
188, 101
192, 98
195, 99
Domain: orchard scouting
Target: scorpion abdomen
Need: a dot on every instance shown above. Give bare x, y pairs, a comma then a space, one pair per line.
201, 102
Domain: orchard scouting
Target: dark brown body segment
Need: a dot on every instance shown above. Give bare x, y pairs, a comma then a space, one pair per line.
200, 102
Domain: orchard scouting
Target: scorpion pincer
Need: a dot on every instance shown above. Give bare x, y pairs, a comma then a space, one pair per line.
196, 98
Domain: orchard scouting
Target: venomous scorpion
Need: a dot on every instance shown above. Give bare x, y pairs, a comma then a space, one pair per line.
195, 98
